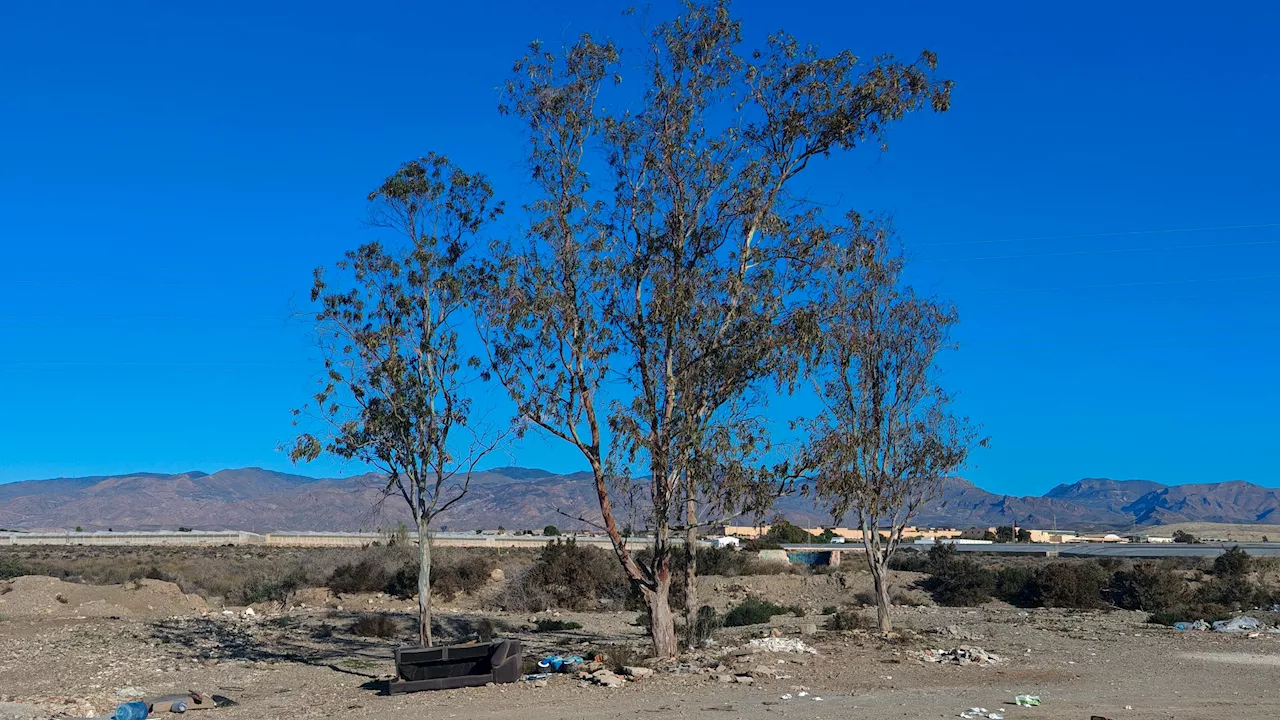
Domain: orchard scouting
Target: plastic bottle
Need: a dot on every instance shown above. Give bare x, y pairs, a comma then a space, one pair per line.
131, 711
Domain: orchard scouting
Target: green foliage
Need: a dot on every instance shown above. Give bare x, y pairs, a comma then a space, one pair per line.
11, 568
1015, 584
1069, 585
783, 532
551, 531
830, 610
706, 622
957, 580
1180, 536
556, 625
1151, 586
1232, 563
909, 560
753, 611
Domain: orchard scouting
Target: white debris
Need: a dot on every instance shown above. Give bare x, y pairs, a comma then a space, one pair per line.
774, 644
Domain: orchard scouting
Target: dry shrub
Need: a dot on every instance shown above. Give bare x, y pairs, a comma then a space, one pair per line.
365, 575
846, 620
378, 625
956, 580
568, 576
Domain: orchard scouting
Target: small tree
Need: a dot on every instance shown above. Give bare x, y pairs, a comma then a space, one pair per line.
886, 437
1181, 536
549, 531
394, 394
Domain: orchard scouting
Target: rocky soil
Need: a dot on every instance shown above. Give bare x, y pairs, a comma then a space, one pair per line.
82, 657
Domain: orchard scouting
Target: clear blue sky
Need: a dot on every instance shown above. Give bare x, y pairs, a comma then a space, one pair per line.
170, 173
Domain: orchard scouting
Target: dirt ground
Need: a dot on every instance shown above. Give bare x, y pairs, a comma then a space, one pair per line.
103, 645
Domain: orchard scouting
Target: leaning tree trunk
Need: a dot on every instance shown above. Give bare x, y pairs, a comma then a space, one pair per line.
691, 570
424, 585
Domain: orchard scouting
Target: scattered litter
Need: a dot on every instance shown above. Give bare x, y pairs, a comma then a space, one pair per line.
977, 712
802, 693
1197, 625
536, 676
1242, 624
817, 699
786, 696
777, 644
131, 711
961, 656
1027, 700
557, 663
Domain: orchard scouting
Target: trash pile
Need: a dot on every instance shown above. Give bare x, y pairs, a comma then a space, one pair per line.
1240, 625
978, 712
961, 656
779, 645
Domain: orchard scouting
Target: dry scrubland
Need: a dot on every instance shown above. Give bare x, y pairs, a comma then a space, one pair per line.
85, 627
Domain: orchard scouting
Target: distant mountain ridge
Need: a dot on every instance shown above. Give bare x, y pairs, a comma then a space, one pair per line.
530, 498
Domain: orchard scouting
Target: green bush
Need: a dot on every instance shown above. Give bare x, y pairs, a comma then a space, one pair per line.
705, 624
1236, 592
909, 560
10, 568
1016, 585
781, 531
752, 611
956, 580
1232, 563
1150, 586
1069, 585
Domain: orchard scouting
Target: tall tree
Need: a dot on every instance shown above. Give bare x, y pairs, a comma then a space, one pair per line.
886, 438
656, 288
395, 390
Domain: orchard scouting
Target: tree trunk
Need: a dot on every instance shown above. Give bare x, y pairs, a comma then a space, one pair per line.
691, 570
880, 574
662, 622
424, 585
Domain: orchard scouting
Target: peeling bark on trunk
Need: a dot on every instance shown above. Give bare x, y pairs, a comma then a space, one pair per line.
665, 644
424, 586
880, 575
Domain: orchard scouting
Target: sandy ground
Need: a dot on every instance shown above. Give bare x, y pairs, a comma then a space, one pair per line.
302, 663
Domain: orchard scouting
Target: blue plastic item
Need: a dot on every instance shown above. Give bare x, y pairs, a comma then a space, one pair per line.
131, 711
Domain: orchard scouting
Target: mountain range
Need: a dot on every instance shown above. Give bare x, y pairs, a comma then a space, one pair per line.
520, 498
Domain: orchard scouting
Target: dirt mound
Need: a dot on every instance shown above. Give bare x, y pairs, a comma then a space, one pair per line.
37, 596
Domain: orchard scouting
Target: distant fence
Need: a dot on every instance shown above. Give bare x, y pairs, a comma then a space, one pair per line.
287, 539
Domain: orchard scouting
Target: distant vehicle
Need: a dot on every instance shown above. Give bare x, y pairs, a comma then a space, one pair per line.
838, 540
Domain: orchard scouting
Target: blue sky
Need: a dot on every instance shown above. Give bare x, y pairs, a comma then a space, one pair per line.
1101, 203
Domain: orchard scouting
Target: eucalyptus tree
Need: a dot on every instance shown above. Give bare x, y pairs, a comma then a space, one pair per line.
887, 437
396, 391
659, 287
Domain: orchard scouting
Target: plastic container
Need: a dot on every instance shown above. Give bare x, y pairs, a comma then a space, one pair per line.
131, 711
